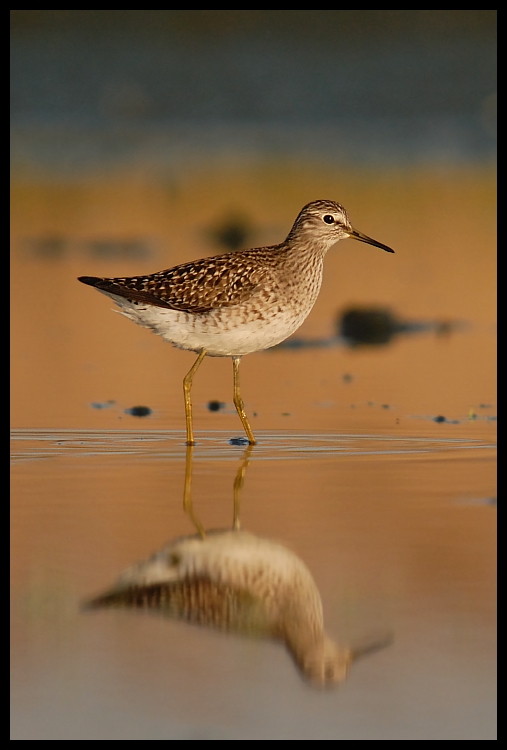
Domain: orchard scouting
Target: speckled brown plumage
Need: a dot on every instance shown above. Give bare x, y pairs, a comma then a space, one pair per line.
198, 600
199, 286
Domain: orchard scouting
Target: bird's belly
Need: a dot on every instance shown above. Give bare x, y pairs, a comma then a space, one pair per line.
224, 332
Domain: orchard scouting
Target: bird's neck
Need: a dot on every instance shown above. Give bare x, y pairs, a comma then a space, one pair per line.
306, 254
303, 629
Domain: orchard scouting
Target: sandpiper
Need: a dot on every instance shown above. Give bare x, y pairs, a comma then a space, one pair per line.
237, 303
238, 583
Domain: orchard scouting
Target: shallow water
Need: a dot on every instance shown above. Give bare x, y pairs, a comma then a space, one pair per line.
398, 533
392, 512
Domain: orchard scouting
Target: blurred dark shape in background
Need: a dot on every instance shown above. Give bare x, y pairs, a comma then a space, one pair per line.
55, 247
329, 23
231, 232
376, 326
369, 325
48, 247
352, 86
110, 248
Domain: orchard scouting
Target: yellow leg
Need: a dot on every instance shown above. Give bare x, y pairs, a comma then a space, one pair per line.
187, 494
238, 486
238, 402
187, 387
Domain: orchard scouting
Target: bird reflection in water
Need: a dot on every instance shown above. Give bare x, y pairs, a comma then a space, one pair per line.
239, 583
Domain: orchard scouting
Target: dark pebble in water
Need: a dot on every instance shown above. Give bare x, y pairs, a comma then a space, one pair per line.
439, 419
347, 378
238, 441
215, 405
138, 411
100, 405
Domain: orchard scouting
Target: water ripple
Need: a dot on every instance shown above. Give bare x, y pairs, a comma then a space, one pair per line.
29, 444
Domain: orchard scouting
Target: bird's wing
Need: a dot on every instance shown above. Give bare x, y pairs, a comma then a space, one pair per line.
196, 287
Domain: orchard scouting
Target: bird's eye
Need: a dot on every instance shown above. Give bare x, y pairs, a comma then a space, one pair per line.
328, 219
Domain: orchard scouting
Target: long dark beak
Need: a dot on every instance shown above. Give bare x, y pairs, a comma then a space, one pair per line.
364, 238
